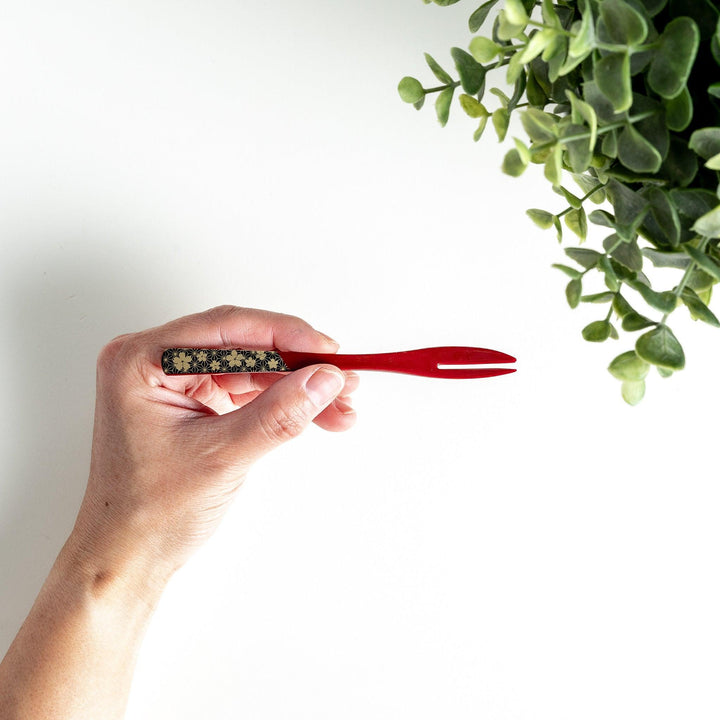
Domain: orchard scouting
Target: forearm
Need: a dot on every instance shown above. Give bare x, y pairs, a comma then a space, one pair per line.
73, 658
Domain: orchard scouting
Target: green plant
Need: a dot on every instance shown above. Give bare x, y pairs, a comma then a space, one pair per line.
622, 96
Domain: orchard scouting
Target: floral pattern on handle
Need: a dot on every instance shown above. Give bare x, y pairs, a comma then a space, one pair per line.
196, 361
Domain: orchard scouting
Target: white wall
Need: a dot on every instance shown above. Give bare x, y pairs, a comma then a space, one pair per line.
523, 547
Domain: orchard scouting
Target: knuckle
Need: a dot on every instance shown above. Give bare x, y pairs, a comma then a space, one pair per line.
221, 312
111, 352
280, 424
223, 317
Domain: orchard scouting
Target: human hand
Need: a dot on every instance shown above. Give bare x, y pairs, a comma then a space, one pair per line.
168, 455
169, 452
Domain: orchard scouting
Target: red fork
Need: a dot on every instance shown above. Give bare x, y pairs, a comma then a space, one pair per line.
440, 362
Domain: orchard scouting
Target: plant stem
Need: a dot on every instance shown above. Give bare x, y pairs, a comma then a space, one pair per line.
600, 131
677, 292
543, 26
440, 88
582, 200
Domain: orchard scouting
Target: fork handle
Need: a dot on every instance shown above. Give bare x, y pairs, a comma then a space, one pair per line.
201, 361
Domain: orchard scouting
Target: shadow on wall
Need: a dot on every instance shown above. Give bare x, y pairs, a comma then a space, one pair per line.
65, 307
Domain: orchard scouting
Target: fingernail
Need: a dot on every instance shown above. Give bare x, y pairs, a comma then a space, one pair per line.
344, 406
323, 385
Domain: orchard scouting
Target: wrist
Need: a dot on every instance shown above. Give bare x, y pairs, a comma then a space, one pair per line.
112, 574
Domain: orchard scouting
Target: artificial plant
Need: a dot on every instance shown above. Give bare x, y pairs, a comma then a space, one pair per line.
621, 97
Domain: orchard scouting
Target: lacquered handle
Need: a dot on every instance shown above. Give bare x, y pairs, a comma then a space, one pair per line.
206, 361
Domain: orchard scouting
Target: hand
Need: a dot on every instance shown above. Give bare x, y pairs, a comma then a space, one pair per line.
169, 452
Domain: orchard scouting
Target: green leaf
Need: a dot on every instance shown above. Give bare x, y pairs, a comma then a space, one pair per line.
681, 165
698, 309
660, 347
660, 258
578, 146
635, 321
674, 57
570, 272
630, 207
621, 306
472, 74
629, 366
481, 128
410, 90
442, 105
512, 20
582, 112
480, 15
556, 55
663, 220
597, 331
535, 94
483, 49
573, 292
573, 200
591, 187
437, 71
623, 24
549, 14
584, 256
636, 153
608, 147
626, 253
704, 295
553, 165
472, 107
611, 278
703, 260
653, 7
523, 149
633, 391
679, 111
693, 204
542, 218
713, 163
600, 104
598, 298
708, 225
501, 122
612, 76
515, 69
540, 126
664, 302
576, 220
513, 163
654, 128
583, 40
705, 142
537, 44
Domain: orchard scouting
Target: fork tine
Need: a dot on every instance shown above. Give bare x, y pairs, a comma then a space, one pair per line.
466, 373
467, 356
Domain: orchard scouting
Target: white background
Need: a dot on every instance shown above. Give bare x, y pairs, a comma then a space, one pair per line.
525, 547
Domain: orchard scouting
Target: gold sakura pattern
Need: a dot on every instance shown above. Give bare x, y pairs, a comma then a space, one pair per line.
191, 361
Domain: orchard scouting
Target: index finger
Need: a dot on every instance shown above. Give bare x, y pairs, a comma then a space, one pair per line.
229, 326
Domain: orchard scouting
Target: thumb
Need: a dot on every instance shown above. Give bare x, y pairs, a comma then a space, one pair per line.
284, 410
